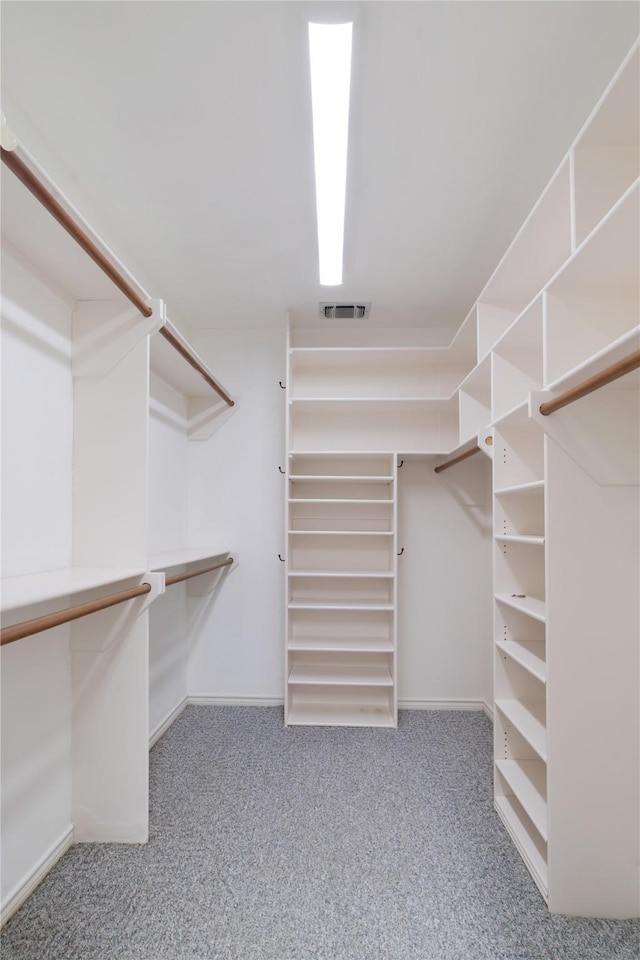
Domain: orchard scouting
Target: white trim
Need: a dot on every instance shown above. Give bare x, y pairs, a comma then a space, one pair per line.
487, 709
202, 700
25, 888
164, 725
441, 705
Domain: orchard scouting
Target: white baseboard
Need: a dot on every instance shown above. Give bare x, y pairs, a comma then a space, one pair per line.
166, 723
25, 888
488, 710
441, 705
203, 701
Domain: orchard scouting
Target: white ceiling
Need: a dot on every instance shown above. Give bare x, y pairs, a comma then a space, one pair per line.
188, 125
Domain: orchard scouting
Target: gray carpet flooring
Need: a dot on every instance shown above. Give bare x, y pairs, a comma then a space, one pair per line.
310, 844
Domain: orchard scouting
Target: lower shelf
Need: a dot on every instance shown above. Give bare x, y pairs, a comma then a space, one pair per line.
349, 674
528, 781
341, 706
529, 845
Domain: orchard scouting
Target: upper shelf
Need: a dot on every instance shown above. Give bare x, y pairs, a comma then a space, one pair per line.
34, 588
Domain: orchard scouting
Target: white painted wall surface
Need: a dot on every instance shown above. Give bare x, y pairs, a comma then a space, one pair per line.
37, 407
444, 582
168, 511
236, 493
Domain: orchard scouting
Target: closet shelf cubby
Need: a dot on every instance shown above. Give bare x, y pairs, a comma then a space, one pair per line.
528, 720
531, 846
531, 606
526, 655
335, 674
528, 780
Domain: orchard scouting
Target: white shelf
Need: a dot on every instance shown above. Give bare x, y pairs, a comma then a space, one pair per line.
34, 588
520, 488
372, 404
354, 605
180, 558
361, 574
317, 674
531, 606
508, 809
528, 780
526, 657
341, 644
533, 541
319, 478
349, 500
527, 723
340, 533
340, 715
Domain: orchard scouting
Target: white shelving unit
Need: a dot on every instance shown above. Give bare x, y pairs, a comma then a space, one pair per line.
566, 520
340, 656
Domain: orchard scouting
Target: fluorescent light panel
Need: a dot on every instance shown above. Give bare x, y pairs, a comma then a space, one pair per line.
330, 53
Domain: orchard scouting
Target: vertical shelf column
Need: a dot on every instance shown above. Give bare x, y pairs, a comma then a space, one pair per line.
341, 663
109, 652
520, 663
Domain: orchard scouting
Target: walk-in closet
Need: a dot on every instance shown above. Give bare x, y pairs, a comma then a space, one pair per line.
320, 564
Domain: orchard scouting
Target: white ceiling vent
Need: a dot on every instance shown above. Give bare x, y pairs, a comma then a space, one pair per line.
345, 311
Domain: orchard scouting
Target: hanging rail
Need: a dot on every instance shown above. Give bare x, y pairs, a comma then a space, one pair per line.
178, 577
28, 627
457, 459
15, 160
182, 350
626, 365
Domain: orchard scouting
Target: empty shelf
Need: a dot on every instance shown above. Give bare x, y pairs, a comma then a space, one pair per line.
532, 541
508, 809
343, 644
523, 655
346, 605
520, 488
531, 606
368, 574
319, 478
337, 674
340, 715
529, 726
528, 780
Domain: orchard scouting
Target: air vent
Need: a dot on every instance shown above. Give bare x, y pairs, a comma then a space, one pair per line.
345, 311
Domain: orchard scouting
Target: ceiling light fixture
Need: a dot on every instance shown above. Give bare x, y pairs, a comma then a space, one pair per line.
330, 57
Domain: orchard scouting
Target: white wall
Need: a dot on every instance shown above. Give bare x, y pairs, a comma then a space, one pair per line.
445, 582
168, 530
236, 492
37, 414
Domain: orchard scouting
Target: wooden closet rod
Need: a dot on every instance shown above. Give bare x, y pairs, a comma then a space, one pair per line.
457, 459
626, 365
38, 624
39, 190
196, 573
175, 343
